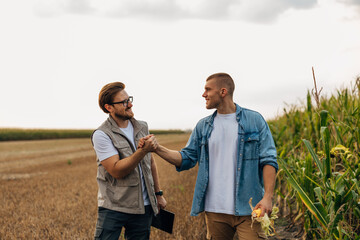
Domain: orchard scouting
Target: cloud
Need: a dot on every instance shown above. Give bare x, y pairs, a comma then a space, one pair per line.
267, 10
79, 6
163, 9
248, 10
351, 2
353, 7
53, 8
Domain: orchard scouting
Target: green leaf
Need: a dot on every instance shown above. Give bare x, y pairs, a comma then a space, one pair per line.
339, 136
305, 199
314, 156
341, 177
321, 209
318, 194
350, 194
317, 184
338, 202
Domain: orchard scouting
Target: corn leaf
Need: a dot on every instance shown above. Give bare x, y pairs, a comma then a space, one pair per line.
317, 184
314, 156
321, 209
318, 194
305, 199
339, 136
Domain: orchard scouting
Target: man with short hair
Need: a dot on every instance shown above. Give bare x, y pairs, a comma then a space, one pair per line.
237, 161
129, 190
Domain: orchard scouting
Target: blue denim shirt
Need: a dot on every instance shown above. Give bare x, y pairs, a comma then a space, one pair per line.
256, 149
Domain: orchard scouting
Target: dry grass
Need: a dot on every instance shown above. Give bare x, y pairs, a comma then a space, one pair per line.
45, 197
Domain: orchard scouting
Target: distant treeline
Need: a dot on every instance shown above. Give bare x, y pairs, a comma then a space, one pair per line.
15, 134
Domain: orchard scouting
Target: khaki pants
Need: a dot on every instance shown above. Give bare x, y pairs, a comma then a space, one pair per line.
223, 227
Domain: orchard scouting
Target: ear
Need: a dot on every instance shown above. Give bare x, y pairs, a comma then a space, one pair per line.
223, 92
108, 107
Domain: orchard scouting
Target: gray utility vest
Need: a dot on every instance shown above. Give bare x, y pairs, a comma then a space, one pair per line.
125, 194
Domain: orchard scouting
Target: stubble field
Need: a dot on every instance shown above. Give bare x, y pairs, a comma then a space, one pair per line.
48, 190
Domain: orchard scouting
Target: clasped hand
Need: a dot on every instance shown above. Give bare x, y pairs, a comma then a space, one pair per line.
148, 143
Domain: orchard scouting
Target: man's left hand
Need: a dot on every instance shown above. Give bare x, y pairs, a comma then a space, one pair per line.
161, 202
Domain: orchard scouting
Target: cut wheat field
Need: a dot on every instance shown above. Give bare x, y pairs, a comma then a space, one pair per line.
48, 190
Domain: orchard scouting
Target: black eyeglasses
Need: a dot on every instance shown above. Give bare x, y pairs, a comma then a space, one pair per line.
125, 102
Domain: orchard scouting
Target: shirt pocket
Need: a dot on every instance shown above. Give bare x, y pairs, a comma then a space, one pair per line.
251, 146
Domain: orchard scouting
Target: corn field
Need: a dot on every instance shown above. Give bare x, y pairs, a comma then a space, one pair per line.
318, 152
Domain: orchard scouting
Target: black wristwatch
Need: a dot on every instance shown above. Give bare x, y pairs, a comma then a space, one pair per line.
159, 193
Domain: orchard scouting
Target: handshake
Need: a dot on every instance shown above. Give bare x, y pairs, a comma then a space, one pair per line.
148, 143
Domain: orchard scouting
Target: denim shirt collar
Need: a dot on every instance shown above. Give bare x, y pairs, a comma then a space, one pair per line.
238, 111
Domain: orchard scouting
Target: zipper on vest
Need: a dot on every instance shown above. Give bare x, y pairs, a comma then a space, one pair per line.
140, 183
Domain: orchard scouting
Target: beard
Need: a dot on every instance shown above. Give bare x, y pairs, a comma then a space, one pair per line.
212, 105
125, 116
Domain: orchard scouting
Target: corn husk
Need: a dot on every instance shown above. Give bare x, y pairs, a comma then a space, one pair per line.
266, 222
256, 213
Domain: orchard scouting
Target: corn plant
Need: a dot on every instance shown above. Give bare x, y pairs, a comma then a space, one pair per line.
336, 193
318, 152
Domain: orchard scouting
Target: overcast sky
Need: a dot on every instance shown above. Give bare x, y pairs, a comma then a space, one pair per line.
55, 55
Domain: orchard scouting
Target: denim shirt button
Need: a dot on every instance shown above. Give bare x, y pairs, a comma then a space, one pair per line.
242, 139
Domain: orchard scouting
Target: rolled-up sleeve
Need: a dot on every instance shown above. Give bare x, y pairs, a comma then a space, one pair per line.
267, 150
189, 153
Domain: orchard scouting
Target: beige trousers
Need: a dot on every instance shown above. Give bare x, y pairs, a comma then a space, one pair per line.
223, 227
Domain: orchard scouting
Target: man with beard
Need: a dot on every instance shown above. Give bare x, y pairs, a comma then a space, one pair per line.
237, 161
129, 191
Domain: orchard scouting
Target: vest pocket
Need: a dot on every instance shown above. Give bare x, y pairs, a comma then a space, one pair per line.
124, 149
124, 196
251, 146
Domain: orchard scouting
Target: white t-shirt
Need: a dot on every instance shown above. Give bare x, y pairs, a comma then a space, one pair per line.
220, 195
104, 149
